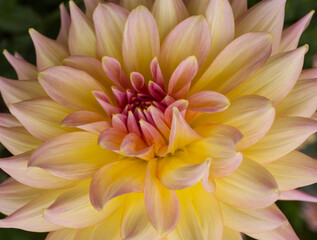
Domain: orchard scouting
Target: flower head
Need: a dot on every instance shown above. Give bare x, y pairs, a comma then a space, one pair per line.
159, 120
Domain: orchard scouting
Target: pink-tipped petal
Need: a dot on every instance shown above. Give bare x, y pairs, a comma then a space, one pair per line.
157, 73
158, 118
225, 72
65, 24
181, 105
250, 186
109, 20
161, 204
152, 136
14, 91
301, 171
58, 82
191, 37
292, 34
48, 52
104, 102
82, 38
24, 70
140, 33
116, 179
138, 83
208, 102
266, 16
181, 78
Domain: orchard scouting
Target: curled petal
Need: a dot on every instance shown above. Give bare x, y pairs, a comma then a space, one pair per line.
82, 39
111, 138
174, 173
116, 179
285, 135
250, 186
133, 145
140, 33
66, 158
161, 204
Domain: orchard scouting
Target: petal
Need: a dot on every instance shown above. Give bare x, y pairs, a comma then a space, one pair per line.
8, 120
111, 138
301, 101
239, 7
48, 52
109, 20
191, 37
23, 69
292, 34
238, 61
90, 6
131, 4
17, 168
208, 101
252, 220
275, 79
219, 144
175, 172
14, 91
283, 232
81, 118
168, 14
18, 140
200, 211
181, 133
246, 114
65, 24
65, 234
197, 7
229, 234
91, 66
58, 82
293, 170
308, 73
295, 195
141, 42
33, 212
41, 117
219, 15
82, 39
66, 158
159, 120
250, 186
135, 222
116, 179
14, 195
285, 135
162, 204
152, 136
181, 78
73, 209
266, 16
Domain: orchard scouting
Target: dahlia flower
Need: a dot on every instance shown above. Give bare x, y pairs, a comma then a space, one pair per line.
160, 119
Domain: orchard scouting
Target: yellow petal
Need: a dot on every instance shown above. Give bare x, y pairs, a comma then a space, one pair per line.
116, 179
276, 78
250, 186
229, 234
66, 158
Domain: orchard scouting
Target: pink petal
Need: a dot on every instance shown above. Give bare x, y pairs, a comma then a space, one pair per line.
208, 101
8, 120
157, 73
159, 120
65, 24
104, 102
239, 7
295, 195
111, 138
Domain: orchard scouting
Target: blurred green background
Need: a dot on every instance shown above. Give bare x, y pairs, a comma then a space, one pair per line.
17, 16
